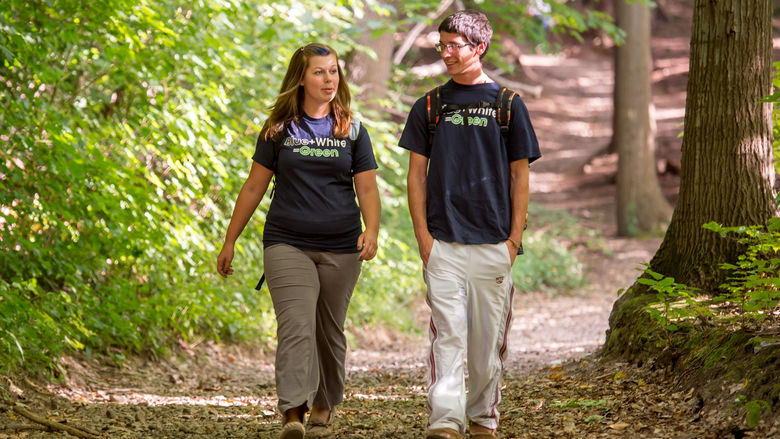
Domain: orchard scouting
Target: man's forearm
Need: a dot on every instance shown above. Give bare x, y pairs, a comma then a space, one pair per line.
519, 193
416, 182
417, 199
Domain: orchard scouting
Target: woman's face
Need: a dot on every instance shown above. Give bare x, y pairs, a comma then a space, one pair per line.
321, 79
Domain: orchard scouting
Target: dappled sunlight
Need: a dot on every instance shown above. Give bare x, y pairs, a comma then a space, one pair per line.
553, 335
669, 113
544, 182
135, 397
532, 60
669, 67
403, 395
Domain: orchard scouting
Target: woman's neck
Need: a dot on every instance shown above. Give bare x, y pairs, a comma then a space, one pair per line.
316, 110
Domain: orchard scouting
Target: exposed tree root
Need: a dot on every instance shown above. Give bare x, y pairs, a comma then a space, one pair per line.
77, 431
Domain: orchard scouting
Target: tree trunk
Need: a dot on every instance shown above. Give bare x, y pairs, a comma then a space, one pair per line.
727, 173
641, 206
371, 76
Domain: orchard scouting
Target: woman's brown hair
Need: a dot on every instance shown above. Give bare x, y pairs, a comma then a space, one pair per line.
289, 103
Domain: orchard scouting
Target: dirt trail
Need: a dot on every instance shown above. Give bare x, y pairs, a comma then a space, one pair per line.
553, 389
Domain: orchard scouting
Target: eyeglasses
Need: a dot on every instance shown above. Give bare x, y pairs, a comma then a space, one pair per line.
450, 47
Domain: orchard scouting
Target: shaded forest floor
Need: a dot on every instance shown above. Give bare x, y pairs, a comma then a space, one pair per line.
555, 385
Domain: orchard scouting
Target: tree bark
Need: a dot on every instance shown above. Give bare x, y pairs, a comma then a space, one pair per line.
727, 173
371, 76
641, 206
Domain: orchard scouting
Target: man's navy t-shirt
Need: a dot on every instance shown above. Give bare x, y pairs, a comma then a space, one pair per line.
314, 205
468, 184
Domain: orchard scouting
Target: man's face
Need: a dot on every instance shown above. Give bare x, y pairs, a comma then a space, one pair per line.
458, 55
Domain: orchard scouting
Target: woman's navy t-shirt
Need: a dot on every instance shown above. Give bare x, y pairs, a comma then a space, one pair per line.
314, 206
467, 188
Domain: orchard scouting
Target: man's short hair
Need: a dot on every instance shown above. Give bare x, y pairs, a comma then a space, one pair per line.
472, 25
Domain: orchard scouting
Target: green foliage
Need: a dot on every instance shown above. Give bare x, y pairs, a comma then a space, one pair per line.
128, 128
675, 301
774, 99
548, 262
753, 281
751, 293
752, 410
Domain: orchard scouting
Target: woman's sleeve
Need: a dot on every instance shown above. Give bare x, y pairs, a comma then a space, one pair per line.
363, 154
264, 153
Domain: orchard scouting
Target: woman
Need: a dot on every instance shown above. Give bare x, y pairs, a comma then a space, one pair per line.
313, 241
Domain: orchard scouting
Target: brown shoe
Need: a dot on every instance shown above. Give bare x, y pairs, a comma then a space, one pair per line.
321, 430
492, 434
292, 430
443, 433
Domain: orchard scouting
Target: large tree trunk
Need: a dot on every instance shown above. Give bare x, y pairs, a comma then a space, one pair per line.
371, 76
641, 206
727, 174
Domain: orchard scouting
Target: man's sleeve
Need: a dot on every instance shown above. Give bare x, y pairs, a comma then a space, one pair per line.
522, 138
415, 134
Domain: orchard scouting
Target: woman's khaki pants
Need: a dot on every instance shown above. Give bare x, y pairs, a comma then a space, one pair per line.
310, 293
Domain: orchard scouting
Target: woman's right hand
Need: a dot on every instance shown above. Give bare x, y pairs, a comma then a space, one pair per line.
224, 260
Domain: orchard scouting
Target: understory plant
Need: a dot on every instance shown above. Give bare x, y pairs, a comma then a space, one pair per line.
750, 294
752, 284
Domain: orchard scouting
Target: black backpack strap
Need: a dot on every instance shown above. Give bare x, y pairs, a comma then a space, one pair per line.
504, 116
277, 142
504, 111
433, 111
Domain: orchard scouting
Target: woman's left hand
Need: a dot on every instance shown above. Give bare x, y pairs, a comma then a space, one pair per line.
367, 245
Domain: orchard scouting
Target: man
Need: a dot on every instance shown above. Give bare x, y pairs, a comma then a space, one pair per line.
468, 198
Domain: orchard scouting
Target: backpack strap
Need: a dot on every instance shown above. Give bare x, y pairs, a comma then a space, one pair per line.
276, 140
504, 110
354, 135
354, 130
433, 111
504, 116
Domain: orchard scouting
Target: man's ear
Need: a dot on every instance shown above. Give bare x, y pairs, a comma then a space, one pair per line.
481, 47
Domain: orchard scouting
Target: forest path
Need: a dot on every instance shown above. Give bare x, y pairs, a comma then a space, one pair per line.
553, 386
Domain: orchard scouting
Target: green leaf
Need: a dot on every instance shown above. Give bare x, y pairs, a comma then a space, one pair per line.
753, 414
